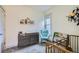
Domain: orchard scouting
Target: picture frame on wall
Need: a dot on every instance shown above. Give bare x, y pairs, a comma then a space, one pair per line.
22, 21
26, 21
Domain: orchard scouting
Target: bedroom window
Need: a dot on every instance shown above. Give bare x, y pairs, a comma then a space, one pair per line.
45, 31
47, 23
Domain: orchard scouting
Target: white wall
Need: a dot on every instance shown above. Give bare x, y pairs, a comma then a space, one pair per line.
60, 22
13, 16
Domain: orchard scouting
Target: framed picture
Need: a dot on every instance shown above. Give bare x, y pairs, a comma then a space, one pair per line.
22, 21
26, 21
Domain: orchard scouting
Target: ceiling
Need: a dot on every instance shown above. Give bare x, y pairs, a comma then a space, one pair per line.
42, 8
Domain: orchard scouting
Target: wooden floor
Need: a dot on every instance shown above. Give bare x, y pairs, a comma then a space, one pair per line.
30, 49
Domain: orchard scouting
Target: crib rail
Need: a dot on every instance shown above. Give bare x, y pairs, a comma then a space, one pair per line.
74, 42
54, 48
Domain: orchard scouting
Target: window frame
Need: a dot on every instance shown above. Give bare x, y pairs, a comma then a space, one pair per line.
45, 17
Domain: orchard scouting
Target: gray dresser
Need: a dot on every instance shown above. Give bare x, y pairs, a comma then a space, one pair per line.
27, 39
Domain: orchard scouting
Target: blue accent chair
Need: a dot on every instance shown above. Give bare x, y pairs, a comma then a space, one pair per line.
44, 34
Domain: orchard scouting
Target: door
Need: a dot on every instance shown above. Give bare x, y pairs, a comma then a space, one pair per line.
1, 28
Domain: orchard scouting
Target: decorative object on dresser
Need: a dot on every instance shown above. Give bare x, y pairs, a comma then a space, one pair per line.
26, 39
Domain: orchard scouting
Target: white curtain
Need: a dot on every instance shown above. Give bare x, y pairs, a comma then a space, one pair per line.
1, 27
